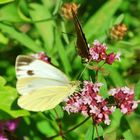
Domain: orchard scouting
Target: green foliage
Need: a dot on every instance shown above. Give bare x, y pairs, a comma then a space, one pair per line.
137, 90
90, 133
34, 26
8, 105
5, 1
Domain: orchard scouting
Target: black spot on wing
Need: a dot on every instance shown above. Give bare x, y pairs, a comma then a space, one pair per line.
30, 72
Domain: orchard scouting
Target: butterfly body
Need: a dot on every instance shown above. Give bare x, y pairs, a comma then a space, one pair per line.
41, 85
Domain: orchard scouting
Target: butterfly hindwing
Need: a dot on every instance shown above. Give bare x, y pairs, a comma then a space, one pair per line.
45, 98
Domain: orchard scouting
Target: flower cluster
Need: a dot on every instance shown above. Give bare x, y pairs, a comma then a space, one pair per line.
42, 56
8, 126
98, 53
124, 98
90, 103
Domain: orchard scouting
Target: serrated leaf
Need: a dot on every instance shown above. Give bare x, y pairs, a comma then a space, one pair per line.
90, 133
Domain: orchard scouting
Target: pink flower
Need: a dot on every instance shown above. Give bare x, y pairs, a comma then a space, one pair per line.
42, 56
118, 56
89, 103
124, 98
98, 52
2, 137
110, 58
12, 125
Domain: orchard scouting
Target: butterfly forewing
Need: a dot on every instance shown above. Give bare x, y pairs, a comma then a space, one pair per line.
27, 66
41, 85
82, 46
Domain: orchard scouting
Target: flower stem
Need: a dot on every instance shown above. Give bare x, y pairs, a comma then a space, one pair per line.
97, 132
71, 129
59, 125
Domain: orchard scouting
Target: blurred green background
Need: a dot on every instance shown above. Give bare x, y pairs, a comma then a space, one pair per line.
32, 26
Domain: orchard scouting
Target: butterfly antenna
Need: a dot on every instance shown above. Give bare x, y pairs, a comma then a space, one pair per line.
71, 34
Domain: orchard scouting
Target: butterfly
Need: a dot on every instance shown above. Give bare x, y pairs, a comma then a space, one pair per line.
41, 85
82, 45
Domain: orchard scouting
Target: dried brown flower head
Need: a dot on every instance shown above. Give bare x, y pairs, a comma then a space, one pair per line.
118, 31
66, 10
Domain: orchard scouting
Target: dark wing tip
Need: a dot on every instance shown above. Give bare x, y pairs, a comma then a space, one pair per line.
23, 60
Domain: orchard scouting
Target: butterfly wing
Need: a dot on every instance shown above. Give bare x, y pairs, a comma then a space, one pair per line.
27, 66
41, 85
45, 98
29, 84
82, 45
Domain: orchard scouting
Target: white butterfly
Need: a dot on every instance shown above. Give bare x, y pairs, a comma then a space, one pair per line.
41, 85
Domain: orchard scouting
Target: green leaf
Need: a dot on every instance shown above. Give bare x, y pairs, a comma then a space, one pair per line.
99, 22
62, 53
103, 89
2, 81
57, 7
46, 27
5, 1
115, 122
110, 136
20, 37
90, 133
115, 76
137, 90
119, 19
8, 104
128, 135
124, 124
9, 13
56, 113
46, 128
23, 11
